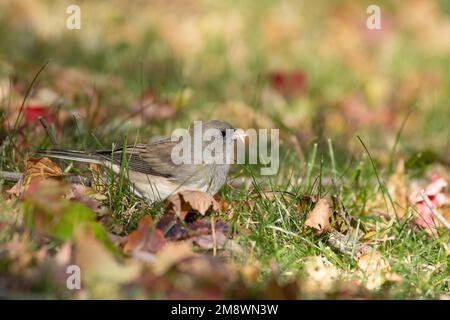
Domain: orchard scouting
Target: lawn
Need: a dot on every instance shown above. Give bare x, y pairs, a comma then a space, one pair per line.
363, 119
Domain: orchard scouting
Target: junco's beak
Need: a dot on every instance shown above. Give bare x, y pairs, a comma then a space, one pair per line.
239, 134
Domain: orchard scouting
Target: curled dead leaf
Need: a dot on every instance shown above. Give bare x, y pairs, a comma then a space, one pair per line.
42, 167
319, 217
184, 202
36, 168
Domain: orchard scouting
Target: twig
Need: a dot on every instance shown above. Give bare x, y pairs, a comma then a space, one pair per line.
11, 176
213, 234
434, 211
74, 179
49, 132
77, 179
52, 137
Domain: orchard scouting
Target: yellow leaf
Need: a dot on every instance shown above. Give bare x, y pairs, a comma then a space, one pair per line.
374, 267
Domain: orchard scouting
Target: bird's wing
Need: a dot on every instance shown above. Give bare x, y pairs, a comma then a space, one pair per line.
154, 158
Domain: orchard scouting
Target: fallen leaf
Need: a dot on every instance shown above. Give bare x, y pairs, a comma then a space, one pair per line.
184, 202
48, 211
209, 277
372, 261
223, 204
42, 167
144, 240
136, 239
101, 272
374, 268
206, 242
321, 275
36, 168
175, 230
319, 217
170, 255
289, 83
250, 272
33, 112
434, 189
39, 106
438, 197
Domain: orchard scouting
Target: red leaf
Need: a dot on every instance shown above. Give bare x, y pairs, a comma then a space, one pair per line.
33, 112
289, 82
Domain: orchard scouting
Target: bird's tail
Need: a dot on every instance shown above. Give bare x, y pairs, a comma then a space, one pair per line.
73, 155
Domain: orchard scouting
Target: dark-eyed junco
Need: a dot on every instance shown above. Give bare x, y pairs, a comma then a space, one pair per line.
154, 168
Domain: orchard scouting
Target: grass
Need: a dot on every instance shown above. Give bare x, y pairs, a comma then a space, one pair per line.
272, 229
276, 230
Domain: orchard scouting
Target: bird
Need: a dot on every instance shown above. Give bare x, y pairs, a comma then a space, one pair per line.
151, 166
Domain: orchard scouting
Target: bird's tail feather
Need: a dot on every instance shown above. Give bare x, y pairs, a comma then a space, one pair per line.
73, 155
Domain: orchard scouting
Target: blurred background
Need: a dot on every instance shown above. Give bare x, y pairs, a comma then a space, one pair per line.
311, 68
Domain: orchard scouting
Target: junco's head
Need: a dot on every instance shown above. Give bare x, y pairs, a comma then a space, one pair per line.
215, 138
215, 128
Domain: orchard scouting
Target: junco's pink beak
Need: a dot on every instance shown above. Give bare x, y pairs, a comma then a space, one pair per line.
239, 134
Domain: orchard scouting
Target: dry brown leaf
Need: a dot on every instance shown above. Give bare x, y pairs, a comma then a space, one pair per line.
42, 167
184, 202
223, 204
36, 168
136, 239
143, 242
170, 255
319, 217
